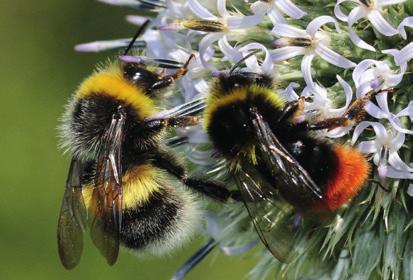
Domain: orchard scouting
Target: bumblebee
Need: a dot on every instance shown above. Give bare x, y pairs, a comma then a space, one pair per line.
276, 159
119, 183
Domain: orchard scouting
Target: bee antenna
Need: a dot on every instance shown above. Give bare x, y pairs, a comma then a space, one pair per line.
238, 64
141, 29
194, 259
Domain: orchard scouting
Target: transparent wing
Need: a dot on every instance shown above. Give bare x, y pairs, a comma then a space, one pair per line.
272, 217
106, 205
72, 218
292, 179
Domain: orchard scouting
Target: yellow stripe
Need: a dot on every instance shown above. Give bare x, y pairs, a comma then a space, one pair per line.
114, 85
219, 99
138, 186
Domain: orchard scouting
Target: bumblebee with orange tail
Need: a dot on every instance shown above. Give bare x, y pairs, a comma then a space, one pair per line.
277, 160
119, 183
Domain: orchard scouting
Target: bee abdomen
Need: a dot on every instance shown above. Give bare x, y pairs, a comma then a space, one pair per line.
163, 222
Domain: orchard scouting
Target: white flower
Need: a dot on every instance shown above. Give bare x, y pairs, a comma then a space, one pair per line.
372, 10
309, 42
373, 75
223, 27
276, 8
385, 148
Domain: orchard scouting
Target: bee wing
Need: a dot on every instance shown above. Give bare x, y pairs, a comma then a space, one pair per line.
72, 218
106, 203
271, 217
292, 177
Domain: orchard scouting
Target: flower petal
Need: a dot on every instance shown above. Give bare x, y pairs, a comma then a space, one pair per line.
410, 190
333, 57
200, 11
285, 53
367, 147
239, 22
231, 53
379, 23
276, 17
316, 24
383, 3
406, 22
286, 30
290, 9
359, 71
99, 46
252, 62
205, 45
397, 163
355, 15
222, 8
306, 70
238, 249
390, 172
289, 93
338, 12
408, 111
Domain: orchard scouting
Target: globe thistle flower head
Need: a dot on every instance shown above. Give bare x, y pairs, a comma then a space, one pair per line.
315, 54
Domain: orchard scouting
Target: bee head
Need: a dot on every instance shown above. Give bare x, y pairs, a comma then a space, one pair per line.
138, 74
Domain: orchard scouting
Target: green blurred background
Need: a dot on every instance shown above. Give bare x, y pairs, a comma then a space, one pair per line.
39, 72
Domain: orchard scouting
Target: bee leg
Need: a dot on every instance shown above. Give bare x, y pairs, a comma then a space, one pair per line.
166, 80
354, 114
181, 121
213, 190
292, 110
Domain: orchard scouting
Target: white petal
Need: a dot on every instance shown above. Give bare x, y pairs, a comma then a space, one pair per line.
222, 8
359, 130
358, 72
338, 12
239, 22
406, 22
286, 30
290, 9
396, 125
394, 80
289, 93
238, 249
233, 54
285, 53
367, 147
396, 162
355, 15
316, 24
379, 23
306, 70
136, 20
375, 111
392, 173
383, 3
200, 11
347, 91
382, 102
204, 45
410, 190
252, 62
408, 111
333, 57
276, 17
99, 46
